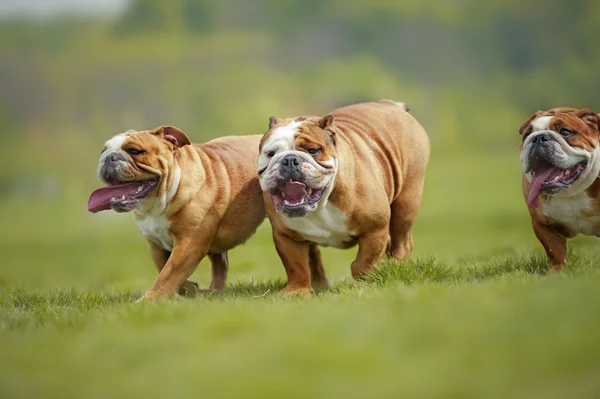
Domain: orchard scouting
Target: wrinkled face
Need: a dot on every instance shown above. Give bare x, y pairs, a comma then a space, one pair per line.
134, 166
297, 163
559, 152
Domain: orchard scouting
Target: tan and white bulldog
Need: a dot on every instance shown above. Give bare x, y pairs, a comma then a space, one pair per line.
560, 153
189, 200
352, 177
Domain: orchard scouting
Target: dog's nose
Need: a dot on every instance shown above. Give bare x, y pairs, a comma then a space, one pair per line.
112, 158
291, 161
540, 138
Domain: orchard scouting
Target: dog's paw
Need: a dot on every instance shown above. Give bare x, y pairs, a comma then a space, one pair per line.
149, 296
189, 289
297, 292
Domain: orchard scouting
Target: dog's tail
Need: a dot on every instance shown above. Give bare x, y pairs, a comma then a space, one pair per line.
402, 105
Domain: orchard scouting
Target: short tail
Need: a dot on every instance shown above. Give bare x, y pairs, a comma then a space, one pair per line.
402, 105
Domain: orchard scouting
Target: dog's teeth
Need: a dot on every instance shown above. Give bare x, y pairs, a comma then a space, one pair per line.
309, 191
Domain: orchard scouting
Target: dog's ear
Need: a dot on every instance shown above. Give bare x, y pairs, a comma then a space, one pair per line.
527, 123
589, 117
326, 123
274, 122
173, 135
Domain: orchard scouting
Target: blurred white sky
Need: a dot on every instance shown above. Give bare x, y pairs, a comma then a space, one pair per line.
52, 8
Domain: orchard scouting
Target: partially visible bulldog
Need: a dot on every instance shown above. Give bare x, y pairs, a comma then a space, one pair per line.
560, 154
352, 177
189, 200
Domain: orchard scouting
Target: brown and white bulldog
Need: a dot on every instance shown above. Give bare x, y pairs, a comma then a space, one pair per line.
560, 153
189, 200
353, 176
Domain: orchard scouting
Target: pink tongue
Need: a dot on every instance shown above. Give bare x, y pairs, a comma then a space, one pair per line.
100, 199
539, 177
294, 191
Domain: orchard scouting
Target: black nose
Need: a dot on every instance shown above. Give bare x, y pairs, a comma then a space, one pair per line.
112, 158
541, 138
291, 161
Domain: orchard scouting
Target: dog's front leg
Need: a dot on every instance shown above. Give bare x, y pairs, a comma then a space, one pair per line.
294, 256
187, 253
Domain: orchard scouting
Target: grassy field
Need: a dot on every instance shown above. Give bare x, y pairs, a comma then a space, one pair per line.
474, 313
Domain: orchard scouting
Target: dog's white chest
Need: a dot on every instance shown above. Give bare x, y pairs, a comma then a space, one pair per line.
155, 229
575, 213
325, 226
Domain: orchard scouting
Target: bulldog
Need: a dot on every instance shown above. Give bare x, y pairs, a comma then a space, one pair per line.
561, 162
188, 200
352, 177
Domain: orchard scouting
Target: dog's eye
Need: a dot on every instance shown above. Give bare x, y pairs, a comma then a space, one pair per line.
565, 132
313, 151
271, 154
134, 151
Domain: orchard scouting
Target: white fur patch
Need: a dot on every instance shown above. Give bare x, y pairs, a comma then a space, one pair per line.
115, 143
325, 226
569, 212
156, 229
541, 123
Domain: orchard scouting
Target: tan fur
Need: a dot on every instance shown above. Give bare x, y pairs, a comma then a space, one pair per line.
552, 234
217, 206
382, 153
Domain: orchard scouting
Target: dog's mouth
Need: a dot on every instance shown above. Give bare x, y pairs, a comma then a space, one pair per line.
292, 195
121, 196
550, 179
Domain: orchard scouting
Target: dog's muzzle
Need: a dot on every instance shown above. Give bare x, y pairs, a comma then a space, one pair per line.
111, 168
290, 168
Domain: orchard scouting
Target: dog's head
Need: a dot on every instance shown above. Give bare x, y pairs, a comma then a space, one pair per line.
136, 166
298, 162
559, 152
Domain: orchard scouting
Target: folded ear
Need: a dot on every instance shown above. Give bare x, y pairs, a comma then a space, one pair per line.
325, 121
173, 135
274, 122
589, 117
527, 123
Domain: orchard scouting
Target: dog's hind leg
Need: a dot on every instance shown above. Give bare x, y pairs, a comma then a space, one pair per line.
404, 211
219, 264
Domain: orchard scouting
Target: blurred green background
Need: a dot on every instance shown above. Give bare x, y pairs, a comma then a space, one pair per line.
75, 72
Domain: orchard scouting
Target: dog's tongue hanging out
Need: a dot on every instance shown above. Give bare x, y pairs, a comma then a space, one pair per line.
539, 177
100, 198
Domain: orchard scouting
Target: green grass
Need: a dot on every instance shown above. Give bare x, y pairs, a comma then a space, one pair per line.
474, 313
